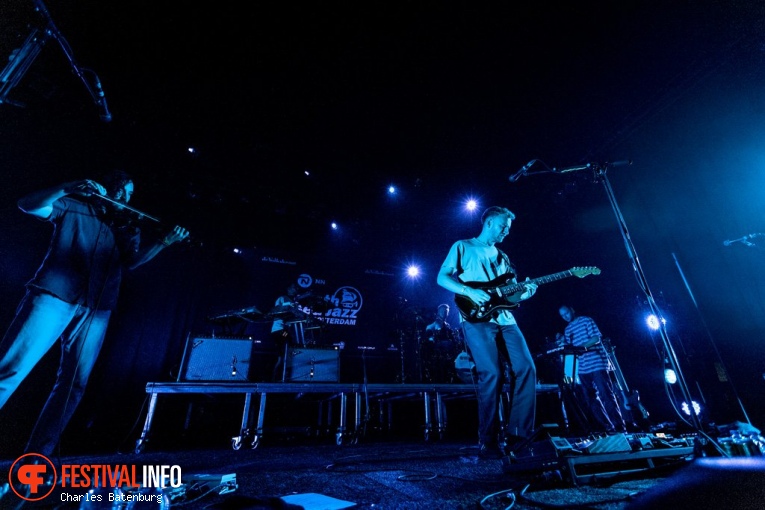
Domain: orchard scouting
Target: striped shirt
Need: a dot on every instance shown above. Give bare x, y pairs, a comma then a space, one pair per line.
578, 332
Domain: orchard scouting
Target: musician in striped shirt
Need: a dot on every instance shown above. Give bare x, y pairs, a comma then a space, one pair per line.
595, 369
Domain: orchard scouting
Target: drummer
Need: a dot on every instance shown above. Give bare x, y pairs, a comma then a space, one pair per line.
440, 348
439, 332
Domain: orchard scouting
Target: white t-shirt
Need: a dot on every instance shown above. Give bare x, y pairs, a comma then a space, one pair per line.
476, 262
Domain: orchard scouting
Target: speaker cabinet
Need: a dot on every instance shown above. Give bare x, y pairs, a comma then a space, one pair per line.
312, 364
216, 359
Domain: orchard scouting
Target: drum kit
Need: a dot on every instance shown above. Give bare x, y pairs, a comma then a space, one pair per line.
427, 355
438, 353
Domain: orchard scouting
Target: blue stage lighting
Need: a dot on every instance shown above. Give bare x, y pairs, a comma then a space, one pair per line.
687, 410
653, 322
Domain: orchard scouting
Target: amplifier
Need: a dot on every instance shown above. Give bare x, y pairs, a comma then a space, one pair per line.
216, 359
312, 364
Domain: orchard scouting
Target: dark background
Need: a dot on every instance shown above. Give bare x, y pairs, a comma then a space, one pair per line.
303, 113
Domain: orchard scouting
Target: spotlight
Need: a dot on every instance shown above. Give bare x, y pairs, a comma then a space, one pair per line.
687, 410
471, 204
391, 190
654, 322
191, 150
670, 376
413, 271
237, 251
333, 225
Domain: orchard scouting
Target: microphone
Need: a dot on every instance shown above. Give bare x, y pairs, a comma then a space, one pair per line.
740, 240
103, 109
522, 171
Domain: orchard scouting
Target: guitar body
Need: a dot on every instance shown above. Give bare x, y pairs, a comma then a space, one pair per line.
504, 293
631, 402
632, 409
473, 312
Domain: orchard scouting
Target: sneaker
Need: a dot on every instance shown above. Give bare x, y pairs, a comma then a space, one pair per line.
490, 451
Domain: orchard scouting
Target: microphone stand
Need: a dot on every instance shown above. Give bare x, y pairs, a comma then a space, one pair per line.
600, 175
95, 90
367, 416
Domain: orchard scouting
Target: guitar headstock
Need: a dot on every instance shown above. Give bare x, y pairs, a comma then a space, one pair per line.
581, 272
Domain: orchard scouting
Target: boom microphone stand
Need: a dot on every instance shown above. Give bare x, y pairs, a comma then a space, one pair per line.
599, 171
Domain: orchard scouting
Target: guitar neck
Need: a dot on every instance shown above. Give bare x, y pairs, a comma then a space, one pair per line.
517, 287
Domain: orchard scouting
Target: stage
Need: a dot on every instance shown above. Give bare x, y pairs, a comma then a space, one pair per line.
393, 446
434, 400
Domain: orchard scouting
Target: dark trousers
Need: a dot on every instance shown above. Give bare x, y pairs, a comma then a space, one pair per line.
42, 320
598, 389
490, 344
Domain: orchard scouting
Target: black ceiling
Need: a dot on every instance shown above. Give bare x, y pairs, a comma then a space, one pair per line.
441, 100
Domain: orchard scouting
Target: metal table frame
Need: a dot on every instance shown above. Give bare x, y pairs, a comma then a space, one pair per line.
433, 398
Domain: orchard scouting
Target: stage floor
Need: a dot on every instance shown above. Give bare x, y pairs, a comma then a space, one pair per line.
368, 475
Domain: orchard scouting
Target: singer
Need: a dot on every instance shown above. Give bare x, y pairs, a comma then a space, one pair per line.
71, 296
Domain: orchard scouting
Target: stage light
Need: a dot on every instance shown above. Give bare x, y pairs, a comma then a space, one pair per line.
670, 376
237, 251
413, 271
653, 322
191, 150
391, 190
333, 225
471, 204
696, 408
307, 173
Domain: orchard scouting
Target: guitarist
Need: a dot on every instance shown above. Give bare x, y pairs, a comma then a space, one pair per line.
495, 341
594, 368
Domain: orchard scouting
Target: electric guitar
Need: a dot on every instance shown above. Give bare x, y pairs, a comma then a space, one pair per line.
630, 399
504, 293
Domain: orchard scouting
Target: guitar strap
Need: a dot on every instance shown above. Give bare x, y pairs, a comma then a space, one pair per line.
504, 257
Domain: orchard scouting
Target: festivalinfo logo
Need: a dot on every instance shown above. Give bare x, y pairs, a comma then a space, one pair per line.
33, 477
